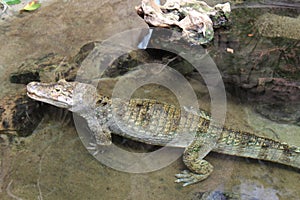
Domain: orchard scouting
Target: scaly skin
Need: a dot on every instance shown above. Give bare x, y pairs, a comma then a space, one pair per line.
158, 123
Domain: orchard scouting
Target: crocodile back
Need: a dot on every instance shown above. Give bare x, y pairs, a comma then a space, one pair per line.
157, 123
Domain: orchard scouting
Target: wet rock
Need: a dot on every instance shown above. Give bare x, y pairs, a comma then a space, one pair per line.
19, 115
271, 25
127, 62
118, 61
264, 69
281, 113
24, 77
246, 190
211, 195
84, 52
270, 91
278, 89
46, 68
196, 19
51, 67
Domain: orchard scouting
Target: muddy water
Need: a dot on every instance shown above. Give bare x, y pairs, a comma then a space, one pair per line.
53, 164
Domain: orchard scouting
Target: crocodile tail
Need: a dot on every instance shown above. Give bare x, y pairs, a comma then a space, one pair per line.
252, 146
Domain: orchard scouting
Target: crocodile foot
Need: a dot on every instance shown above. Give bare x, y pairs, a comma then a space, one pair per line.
93, 148
188, 178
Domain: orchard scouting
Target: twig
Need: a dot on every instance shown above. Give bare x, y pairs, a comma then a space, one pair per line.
1, 175
40, 197
63, 117
9, 193
1, 172
169, 60
59, 65
260, 57
3, 167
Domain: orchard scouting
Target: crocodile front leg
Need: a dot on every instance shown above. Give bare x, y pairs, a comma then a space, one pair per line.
99, 130
199, 168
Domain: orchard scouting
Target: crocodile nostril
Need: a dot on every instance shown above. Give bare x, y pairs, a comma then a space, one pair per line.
31, 86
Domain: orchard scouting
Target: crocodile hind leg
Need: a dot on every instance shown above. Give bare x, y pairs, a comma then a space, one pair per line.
199, 168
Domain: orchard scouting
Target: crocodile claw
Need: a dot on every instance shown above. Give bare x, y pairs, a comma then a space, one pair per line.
93, 149
189, 178
92, 146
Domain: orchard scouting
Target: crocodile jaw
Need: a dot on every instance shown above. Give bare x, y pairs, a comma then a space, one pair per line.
49, 101
47, 93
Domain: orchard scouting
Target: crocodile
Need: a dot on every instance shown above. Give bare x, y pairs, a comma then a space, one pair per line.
157, 123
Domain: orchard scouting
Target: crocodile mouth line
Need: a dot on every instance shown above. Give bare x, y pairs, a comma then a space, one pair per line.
34, 96
47, 100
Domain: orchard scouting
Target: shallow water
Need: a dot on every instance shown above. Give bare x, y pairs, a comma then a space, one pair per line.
52, 163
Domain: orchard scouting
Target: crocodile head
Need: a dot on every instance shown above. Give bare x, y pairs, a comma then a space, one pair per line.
63, 94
